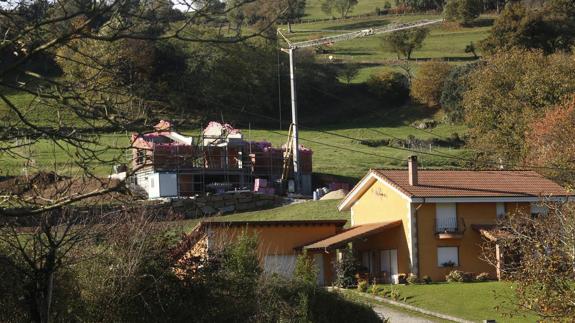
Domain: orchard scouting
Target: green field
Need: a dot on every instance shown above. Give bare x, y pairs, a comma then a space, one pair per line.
445, 41
313, 8
337, 152
336, 148
470, 301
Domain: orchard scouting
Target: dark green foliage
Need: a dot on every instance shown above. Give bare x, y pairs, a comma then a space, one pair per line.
345, 269
340, 7
305, 270
550, 28
462, 11
404, 42
453, 89
391, 87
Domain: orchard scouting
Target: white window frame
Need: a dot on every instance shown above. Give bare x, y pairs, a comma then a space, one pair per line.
448, 249
446, 217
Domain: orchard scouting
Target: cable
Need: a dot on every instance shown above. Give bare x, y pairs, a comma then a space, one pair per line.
491, 164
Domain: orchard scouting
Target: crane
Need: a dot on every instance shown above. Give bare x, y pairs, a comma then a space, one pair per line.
290, 50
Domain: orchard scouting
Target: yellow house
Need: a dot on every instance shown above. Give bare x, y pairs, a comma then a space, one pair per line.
429, 222
426, 222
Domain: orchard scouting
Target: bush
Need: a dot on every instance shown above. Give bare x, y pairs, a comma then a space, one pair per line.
362, 286
412, 279
426, 279
458, 276
462, 11
391, 87
452, 92
345, 270
482, 277
429, 82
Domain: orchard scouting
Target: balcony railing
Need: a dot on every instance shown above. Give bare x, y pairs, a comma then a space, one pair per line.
449, 228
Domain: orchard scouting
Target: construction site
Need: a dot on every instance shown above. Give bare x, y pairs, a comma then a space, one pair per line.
169, 164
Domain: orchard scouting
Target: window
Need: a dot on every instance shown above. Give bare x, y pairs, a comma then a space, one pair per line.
500, 210
445, 217
538, 209
447, 256
280, 264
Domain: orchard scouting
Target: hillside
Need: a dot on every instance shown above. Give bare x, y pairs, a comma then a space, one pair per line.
337, 148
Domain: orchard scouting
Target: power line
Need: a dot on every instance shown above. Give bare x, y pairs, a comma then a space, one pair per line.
440, 155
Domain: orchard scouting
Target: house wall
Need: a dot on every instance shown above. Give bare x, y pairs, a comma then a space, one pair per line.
381, 203
393, 238
469, 246
279, 240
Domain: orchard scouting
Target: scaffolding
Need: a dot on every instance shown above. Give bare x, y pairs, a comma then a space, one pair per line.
212, 163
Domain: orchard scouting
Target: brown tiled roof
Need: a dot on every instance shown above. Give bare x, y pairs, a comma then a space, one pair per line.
350, 234
468, 183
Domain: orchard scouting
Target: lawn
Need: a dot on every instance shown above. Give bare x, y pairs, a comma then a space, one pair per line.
316, 210
471, 301
313, 8
337, 149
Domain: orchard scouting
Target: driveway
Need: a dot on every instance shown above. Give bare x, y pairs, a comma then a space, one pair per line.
397, 316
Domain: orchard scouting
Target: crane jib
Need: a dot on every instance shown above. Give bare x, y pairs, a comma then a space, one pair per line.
362, 33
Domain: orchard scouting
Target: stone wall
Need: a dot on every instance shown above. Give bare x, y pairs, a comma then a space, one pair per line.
196, 207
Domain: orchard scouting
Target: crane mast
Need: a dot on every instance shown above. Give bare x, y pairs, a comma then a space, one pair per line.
293, 46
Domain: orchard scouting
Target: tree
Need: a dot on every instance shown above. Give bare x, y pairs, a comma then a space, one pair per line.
549, 145
390, 87
428, 85
349, 71
550, 28
507, 92
342, 7
454, 87
462, 11
538, 257
404, 42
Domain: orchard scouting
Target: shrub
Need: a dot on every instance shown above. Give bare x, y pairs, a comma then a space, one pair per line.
345, 270
362, 286
394, 294
305, 270
482, 277
412, 279
458, 276
428, 84
426, 279
391, 87
462, 11
452, 92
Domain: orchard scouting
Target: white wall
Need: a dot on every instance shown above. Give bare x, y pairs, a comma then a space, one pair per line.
158, 184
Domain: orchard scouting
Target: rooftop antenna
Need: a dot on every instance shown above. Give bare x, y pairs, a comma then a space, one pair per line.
292, 47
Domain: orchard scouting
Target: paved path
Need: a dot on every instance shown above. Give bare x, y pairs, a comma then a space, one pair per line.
397, 316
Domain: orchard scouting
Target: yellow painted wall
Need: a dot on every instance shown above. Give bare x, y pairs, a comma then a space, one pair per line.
379, 204
394, 238
469, 246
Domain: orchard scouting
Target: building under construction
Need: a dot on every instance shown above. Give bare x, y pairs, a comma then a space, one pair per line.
169, 164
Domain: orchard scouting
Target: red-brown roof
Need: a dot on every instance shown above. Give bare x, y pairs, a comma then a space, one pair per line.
351, 234
473, 183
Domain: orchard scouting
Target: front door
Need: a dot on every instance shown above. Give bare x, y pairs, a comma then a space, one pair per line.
389, 265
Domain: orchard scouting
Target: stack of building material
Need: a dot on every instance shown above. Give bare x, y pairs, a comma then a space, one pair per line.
262, 185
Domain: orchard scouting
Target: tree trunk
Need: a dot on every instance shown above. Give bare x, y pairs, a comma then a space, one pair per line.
289, 26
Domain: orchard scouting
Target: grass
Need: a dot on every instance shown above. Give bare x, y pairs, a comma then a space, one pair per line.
333, 153
309, 210
313, 8
336, 152
471, 301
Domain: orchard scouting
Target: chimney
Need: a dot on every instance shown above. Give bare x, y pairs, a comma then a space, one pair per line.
412, 170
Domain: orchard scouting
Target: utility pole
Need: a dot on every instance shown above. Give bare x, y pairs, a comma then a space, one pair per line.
296, 171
